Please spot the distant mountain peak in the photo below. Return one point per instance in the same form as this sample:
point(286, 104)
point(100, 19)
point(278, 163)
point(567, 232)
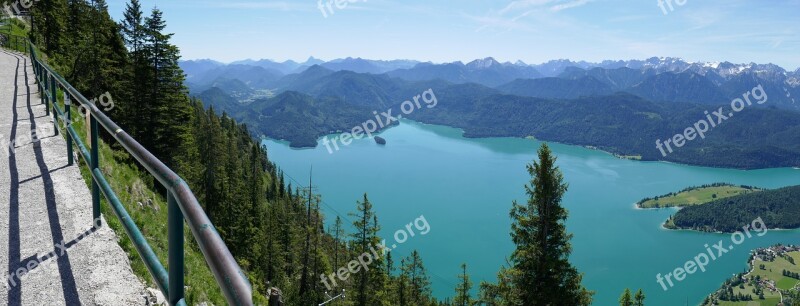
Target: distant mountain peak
point(312, 61)
point(483, 63)
point(316, 68)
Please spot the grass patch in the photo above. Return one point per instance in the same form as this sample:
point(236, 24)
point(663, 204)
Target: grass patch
point(15, 27)
point(765, 302)
point(774, 269)
point(787, 283)
point(696, 196)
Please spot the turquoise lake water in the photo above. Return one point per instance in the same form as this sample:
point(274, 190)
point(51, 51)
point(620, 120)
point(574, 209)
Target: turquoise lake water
point(465, 187)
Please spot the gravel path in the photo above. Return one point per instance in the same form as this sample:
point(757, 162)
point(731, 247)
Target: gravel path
point(49, 252)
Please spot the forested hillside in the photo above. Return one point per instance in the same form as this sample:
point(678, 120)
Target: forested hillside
point(594, 115)
point(779, 208)
point(274, 229)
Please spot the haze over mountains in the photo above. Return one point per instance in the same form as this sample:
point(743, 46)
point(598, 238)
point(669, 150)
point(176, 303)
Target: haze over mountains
point(660, 79)
point(618, 106)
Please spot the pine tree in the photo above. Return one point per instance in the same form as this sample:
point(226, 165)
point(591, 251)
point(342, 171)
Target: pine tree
point(365, 238)
point(337, 234)
point(544, 274)
point(639, 298)
point(419, 282)
point(462, 290)
point(402, 285)
point(138, 124)
point(377, 274)
point(304, 277)
point(49, 22)
point(502, 293)
point(625, 299)
point(170, 112)
point(108, 61)
point(390, 288)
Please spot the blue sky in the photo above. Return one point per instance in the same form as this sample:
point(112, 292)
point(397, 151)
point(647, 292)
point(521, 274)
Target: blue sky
point(533, 31)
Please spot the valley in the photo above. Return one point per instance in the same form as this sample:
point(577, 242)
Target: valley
point(602, 103)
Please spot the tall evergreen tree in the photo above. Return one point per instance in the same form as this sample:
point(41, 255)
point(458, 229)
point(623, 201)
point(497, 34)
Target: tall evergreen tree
point(462, 290)
point(402, 285)
point(365, 238)
point(419, 282)
point(544, 274)
point(138, 124)
point(337, 234)
point(49, 22)
point(170, 112)
point(625, 299)
point(638, 299)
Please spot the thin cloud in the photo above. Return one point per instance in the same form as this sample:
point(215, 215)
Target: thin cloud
point(269, 5)
point(524, 4)
point(551, 5)
point(573, 4)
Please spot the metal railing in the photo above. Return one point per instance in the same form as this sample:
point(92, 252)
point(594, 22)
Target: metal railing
point(181, 202)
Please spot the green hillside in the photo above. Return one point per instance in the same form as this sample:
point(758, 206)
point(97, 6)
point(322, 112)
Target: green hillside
point(696, 195)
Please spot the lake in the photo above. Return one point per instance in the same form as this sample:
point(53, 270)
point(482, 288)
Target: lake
point(464, 188)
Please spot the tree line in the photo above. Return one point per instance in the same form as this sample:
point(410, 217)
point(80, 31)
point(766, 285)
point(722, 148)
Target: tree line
point(779, 208)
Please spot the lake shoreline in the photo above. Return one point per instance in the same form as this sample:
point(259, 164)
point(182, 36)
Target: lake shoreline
point(464, 134)
point(431, 168)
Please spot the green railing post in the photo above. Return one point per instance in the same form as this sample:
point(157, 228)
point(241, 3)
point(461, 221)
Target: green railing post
point(68, 123)
point(95, 165)
point(43, 92)
point(176, 255)
point(53, 93)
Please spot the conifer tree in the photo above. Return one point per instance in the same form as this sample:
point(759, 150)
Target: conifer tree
point(639, 298)
point(137, 123)
point(365, 238)
point(544, 275)
point(49, 22)
point(625, 299)
point(419, 282)
point(462, 290)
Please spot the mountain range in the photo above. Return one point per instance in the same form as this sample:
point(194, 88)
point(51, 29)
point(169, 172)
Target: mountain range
point(618, 106)
point(661, 79)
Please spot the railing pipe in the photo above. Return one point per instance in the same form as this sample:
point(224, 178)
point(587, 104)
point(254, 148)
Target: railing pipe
point(176, 245)
point(67, 110)
point(95, 165)
point(54, 98)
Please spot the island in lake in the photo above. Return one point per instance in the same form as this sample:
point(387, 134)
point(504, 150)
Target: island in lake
point(726, 208)
point(379, 140)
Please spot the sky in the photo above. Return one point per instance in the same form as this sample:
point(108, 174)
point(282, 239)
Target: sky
point(534, 31)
